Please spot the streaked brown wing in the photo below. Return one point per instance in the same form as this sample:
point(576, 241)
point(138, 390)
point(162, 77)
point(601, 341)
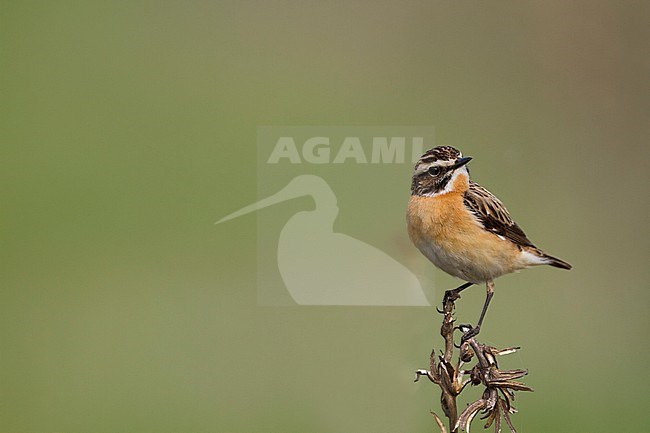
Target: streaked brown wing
point(494, 215)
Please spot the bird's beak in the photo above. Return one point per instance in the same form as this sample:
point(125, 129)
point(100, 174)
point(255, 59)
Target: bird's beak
point(285, 194)
point(462, 161)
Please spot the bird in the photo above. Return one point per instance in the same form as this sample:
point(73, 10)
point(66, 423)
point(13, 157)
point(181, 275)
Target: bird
point(464, 229)
point(320, 266)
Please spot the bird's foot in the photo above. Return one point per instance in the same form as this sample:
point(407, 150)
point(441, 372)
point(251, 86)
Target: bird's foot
point(468, 331)
point(450, 296)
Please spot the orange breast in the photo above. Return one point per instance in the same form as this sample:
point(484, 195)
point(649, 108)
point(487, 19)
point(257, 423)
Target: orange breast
point(442, 219)
point(444, 230)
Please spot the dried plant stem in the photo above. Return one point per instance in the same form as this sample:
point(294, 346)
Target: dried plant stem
point(496, 400)
point(448, 385)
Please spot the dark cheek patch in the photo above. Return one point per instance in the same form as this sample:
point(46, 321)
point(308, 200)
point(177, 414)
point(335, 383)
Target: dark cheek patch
point(442, 181)
point(426, 184)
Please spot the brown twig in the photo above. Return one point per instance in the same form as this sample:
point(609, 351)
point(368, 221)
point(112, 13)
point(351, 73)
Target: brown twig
point(500, 386)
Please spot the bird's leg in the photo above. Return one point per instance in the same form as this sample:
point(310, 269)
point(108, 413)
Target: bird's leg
point(468, 330)
point(488, 297)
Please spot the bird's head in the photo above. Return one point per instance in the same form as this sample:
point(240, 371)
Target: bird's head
point(437, 170)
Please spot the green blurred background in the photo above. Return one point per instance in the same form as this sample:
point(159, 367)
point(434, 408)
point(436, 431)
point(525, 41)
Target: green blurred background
point(128, 128)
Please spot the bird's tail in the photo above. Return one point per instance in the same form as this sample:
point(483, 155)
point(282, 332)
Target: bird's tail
point(554, 261)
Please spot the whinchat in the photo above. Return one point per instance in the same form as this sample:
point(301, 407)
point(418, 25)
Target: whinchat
point(464, 229)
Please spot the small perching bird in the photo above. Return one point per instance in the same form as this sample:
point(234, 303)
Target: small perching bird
point(465, 230)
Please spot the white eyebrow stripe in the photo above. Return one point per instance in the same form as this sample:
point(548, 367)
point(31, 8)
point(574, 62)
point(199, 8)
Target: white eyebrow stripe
point(424, 166)
point(421, 168)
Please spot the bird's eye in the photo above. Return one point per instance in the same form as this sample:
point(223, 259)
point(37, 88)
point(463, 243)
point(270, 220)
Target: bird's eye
point(434, 171)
